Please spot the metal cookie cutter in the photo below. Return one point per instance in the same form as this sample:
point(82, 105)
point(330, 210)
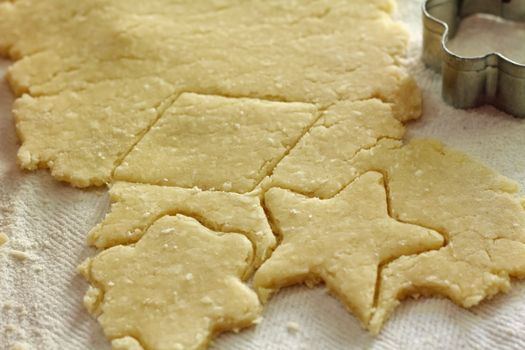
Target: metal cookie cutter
point(470, 82)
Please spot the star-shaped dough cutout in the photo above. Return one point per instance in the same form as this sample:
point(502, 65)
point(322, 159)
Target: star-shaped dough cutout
point(179, 285)
point(341, 241)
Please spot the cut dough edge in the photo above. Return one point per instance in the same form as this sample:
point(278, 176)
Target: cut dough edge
point(379, 140)
point(100, 236)
point(385, 306)
point(25, 161)
point(405, 91)
point(85, 267)
point(265, 179)
point(115, 198)
point(31, 159)
point(28, 160)
point(95, 295)
point(369, 147)
point(159, 117)
point(314, 279)
point(298, 110)
point(135, 207)
point(501, 277)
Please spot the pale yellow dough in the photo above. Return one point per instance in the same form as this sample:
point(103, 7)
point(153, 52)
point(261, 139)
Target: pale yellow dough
point(321, 163)
point(215, 142)
point(82, 136)
point(99, 73)
point(136, 206)
point(174, 289)
point(299, 102)
point(3, 238)
point(341, 241)
point(126, 343)
point(471, 205)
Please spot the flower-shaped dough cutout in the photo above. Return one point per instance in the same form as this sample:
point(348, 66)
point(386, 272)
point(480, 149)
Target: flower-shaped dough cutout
point(341, 241)
point(136, 206)
point(174, 289)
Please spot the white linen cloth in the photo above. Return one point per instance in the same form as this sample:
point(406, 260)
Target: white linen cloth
point(41, 292)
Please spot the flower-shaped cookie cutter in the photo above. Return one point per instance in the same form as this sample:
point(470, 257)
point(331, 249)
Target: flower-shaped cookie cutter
point(470, 82)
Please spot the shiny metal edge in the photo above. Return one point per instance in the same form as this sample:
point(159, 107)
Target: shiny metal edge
point(473, 81)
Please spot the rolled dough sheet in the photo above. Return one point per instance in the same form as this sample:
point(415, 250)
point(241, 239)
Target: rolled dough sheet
point(91, 99)
point(98, 74)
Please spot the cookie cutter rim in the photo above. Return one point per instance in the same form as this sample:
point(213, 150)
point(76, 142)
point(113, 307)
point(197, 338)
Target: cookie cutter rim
point(469, 82)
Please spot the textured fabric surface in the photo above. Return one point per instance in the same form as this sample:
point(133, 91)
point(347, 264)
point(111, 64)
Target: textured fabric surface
point(41, 292)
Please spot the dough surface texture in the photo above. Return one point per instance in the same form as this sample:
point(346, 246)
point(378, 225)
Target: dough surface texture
point(341, 241)
point(316, 167)
point(248, 139)
point(137, 206)
point(215, 142)
point(175, 288)
point(473, 207)
point(86, 98)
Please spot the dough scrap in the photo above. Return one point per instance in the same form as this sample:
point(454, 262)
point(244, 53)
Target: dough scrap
point(341, 241)
point(21, 346)
point(137, 206)
point(315, 167)
point(474, 207)
point(215, 142)
point(126, 343)
point(73, 54)
point(3, 238)
point(82, 136)
point(175, 288)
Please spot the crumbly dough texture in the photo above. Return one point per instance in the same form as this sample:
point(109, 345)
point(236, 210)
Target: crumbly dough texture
point(316, 167)
point(474, 208)
point(215, 142)
point(135, 207)
point(178, 285)
point(92, 94)
point(201, 109)
point(81, 136)
point(341, 241)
